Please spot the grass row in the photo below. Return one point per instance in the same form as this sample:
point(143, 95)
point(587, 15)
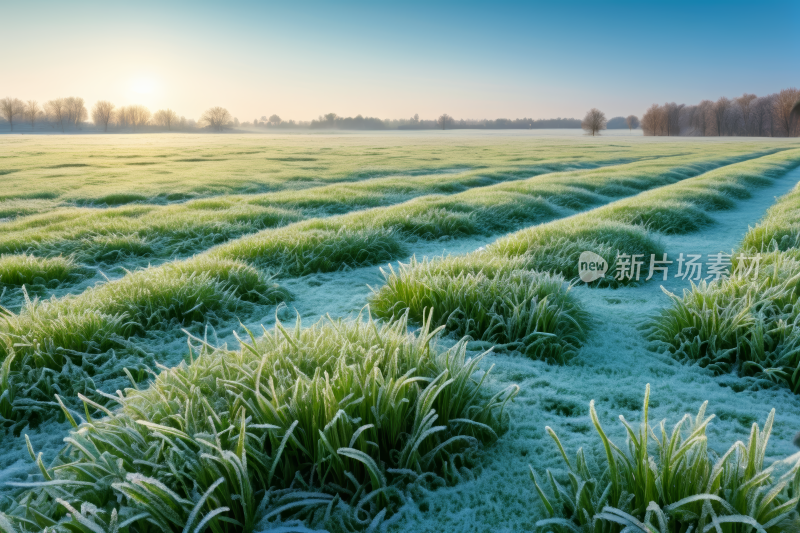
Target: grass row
point(750, 322)
point(69, 345)
point(24, 269)
point(40, 173)
point(107, 235)
point(377, 235)
point(480, 294)
point(132, 231)
point(328, 423)
point(90, 325)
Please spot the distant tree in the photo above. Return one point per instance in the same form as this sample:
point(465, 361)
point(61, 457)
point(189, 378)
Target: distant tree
point(444, 121)
point(138, 116)
point(651, 119)
point(704, 120)
point(415, 119)
point(672, 115)
point(165, 118)
point(594, 121)
point(102, 113)
point(32, 112)
point(11, 108)
point(719, 114)
point(745, 104)
point(76, 113)
point(632, 121)
point(784, 104)
point(216, 118)
point(274, 120)
point(57, 110)
point(761, 116)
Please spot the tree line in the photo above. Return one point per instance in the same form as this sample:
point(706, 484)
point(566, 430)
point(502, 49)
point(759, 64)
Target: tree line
point(444, 121)
point(774, 115)
point(70, 113)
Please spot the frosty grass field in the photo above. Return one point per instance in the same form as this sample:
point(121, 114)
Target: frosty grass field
point(428, 360)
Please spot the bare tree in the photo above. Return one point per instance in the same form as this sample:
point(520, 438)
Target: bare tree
point(761, 115)
point(672, 118)
point(745, 104)
point(138, 115)
point(165, 118)
point(32, 112)
point(445, 120)
point(632, 121)
point(122, 117)
point(719, 114)
point(75, 110)
point(594, 121)
point(274, 120)
point(102, 113)
point(782, 111)
point(57, 109)
point(10, 108)
point(651, 120)
point(218, 117)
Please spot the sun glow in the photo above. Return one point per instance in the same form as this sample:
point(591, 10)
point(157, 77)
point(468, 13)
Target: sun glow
point(144, 86)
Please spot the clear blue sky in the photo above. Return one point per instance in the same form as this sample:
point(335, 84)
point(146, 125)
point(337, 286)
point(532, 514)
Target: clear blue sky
point(391, 60)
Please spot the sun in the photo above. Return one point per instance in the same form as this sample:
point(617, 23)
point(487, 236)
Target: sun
point(144, 86)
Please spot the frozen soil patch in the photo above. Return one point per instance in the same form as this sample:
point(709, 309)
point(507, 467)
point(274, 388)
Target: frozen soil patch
point(612, 368)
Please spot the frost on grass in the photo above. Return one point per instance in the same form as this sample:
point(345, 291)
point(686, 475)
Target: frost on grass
point(74, 344)
point(24, 269)
point(331, 424)
point(668, 480)
point(497, 303)
point(749, 323)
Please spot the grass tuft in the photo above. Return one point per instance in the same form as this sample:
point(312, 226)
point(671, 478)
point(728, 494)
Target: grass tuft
point(495, 303)
point(328, 423)
point(64, 345)
point(19, 270)
point(676, 485)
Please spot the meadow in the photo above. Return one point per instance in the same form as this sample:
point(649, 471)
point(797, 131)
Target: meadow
point(386, 332)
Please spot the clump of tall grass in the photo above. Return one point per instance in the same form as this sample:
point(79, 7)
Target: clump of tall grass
point(328, 424)
point(493, 302)
point(746, 323)
point(52, 339)
point(24, 269)
point(743, 324)
point(315, 248)
point(677, 485)
point(555, 247)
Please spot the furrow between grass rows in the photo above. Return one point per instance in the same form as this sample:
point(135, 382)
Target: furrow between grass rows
point(750, 322)
point(515, 294)
point(95, 236)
